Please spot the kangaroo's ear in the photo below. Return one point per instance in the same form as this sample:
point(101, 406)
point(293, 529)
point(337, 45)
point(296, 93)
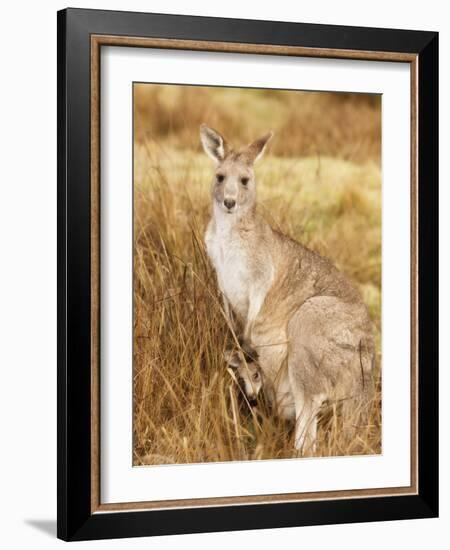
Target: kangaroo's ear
point(231, 358)
point(213, 143)
point(256, 149)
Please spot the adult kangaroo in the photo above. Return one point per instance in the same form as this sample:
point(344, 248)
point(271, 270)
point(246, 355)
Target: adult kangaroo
point(305, 319)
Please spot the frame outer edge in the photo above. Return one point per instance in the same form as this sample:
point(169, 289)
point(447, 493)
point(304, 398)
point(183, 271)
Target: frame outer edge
point(74, 384)
point(74, 519)
point(61, 279)
point(428, 163)
point(281, 32)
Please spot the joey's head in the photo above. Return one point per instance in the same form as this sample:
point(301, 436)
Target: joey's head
point(234, 186)
point(248, 373)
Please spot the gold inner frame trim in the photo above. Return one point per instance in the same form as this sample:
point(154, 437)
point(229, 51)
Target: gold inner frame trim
point(97, 41)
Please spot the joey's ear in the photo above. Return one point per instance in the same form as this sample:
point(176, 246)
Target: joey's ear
point(213, 143)
point(232, 358)
point(255, 150)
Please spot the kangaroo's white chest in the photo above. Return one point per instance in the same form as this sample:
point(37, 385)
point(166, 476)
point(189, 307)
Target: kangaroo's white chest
point(244, 272)
point(231, 261)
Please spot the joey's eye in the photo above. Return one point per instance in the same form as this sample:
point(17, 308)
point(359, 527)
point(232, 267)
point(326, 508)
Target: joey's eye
point(220, 178)
point(255, 376)
point(244, 181)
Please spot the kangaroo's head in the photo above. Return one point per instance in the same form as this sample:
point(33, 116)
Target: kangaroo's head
point(234, 186)
point(248, 372)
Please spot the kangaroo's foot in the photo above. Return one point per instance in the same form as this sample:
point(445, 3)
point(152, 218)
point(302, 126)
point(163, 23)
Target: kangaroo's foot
point(306, 431)
point(306, 410)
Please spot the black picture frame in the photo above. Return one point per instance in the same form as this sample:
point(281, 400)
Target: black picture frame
point(75, 518)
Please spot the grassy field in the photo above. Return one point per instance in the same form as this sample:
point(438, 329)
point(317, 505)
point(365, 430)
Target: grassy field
point(320, 183)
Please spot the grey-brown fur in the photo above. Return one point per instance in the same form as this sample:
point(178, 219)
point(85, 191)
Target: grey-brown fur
point(307, 321)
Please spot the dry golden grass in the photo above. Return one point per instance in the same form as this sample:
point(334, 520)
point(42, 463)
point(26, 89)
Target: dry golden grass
point(326, 193)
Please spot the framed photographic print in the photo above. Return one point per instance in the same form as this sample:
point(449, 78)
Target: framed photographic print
point(247, 256)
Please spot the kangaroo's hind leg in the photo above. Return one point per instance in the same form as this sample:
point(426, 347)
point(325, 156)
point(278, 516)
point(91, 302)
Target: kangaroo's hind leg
point(330, 355)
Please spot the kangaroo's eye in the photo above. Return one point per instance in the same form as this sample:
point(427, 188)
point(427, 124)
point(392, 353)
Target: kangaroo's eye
point(255, 376)
point(220, 178)
point(244, 181)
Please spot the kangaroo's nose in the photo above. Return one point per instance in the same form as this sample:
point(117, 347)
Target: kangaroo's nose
point(229, 203)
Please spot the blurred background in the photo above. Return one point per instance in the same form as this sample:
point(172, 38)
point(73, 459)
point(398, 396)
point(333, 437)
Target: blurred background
point(319, 182)
point(342, 125)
